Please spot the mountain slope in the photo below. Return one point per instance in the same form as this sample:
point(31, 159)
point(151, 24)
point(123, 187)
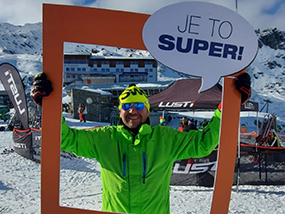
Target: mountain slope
point(22, 47)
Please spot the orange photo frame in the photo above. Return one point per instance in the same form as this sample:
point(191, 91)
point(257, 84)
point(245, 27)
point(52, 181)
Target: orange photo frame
point(119, 29)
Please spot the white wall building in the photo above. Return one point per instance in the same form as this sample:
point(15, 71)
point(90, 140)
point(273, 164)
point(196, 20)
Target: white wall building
point(88, 69)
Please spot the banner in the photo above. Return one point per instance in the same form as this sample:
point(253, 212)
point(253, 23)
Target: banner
point(249, 106)
point(13, 85)
point(257, 165)
point(22, 142)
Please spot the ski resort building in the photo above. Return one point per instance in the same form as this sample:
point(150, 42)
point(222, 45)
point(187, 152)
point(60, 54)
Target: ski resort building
point(90, 69)
point(98, 81)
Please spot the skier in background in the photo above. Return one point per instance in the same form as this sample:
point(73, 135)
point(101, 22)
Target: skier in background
point(136, 159)
point(183, 124)
point(82, 111)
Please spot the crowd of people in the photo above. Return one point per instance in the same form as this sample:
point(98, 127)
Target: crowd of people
point(185, 124)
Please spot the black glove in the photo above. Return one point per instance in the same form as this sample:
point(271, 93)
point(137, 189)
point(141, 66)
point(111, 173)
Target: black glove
point(41, 88)
point(243, 83)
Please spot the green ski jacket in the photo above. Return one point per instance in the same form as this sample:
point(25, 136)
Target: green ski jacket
point(136, 170)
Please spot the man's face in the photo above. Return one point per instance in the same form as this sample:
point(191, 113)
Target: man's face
point(133, 118)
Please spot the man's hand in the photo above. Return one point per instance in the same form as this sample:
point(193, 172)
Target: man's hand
point(41, 88)
point(243, 83)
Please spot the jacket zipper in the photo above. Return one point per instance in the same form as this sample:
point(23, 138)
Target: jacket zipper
point(144, 167)
point(124, 164)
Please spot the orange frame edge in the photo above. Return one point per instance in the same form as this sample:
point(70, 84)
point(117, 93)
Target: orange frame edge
point(119, 29)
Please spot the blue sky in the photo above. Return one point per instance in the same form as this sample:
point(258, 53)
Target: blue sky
point(259, 13)
point(272, 9)
point(84, 2)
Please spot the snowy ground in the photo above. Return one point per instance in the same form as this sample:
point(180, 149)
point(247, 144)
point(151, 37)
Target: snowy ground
point(80, 185)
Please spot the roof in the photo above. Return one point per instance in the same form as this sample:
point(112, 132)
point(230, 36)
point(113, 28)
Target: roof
point(183, 95)
point(119, 86)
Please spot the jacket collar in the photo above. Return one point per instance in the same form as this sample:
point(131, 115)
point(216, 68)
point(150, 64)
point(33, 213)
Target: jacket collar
point(144, 130)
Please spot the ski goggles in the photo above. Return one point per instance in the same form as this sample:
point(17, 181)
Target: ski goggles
point(138, 106)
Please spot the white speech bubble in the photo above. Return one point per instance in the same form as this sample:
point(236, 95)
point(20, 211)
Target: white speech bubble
point(200, 39)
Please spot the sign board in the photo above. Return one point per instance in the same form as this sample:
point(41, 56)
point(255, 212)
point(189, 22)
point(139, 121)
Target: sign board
point(200, 39)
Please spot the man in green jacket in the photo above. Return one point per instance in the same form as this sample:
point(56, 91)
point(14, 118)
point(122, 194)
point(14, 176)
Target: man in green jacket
point(137, 159)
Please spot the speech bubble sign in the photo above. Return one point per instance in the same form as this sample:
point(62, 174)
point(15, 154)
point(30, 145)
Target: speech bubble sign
point(200, 39)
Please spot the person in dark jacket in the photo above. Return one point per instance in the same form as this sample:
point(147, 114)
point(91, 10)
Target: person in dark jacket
point(184, 123)
point(191, 126)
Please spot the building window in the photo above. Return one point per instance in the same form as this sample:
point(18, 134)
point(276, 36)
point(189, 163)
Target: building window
point(112, 64)
point(130, 78)
point(67, 69)
point(134, 63)
point(83, 69)
point(72, 69)
point(84, 61)
point(78, 69)
point(141, 64)
point(127, 64)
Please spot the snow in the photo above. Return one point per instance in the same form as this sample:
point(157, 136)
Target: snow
point(99, 91)
point(80, 184)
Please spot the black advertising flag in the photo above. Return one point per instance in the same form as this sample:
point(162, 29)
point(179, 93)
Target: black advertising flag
point(13, 85)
